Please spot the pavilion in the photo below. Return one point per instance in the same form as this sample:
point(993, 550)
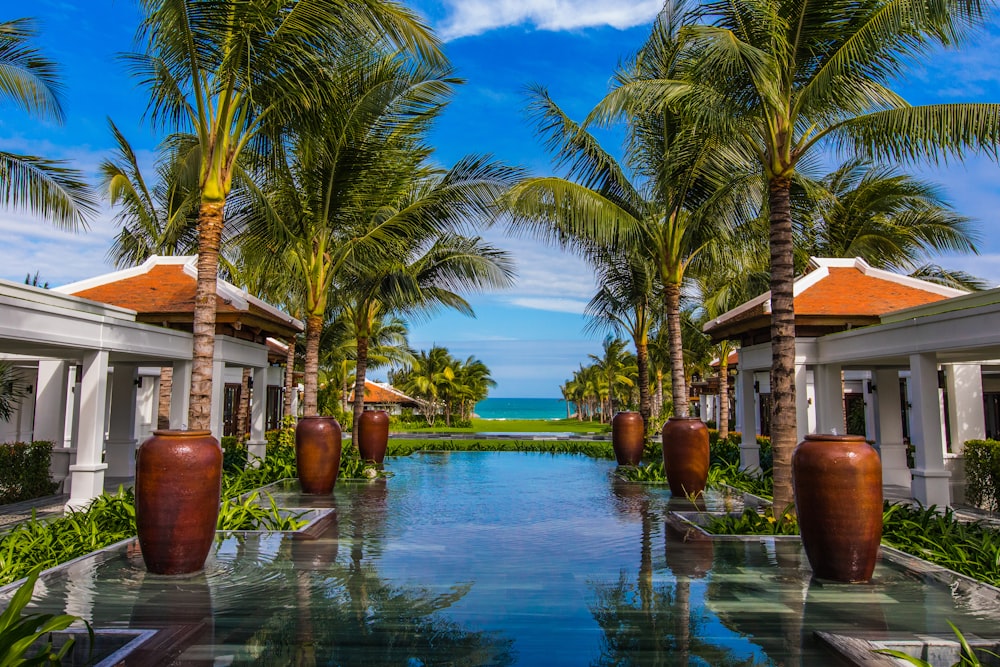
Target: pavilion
point(922, 353)
point(90, 347)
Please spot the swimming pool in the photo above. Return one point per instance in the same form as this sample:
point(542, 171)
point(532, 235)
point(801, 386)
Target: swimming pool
point(479, 558)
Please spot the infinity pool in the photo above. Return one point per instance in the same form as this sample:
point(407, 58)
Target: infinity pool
point(496, 559)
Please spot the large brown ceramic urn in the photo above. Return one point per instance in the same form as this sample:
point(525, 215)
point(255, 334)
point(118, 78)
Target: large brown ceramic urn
point(178, 480)
point(317, 454)
point(685, 455)
point(373, 435)
point(628, 434)
point(838, 497)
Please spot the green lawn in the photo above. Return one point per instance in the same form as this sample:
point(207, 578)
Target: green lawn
point(515, 425)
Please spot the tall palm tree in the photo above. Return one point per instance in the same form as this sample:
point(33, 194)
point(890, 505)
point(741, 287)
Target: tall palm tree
point(29, 81)
point(424, 378)
point(779, 80)
point(475, 382)
point(666, 216)
point(232, 75)
point(625, 304)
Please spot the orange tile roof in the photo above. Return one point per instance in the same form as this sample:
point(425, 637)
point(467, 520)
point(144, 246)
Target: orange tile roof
point(851, 292)
point(377, 393)
point(835, 292)
point(163, 289)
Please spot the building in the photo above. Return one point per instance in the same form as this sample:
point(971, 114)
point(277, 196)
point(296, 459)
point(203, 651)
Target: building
point(918, 355)
point(93, 353)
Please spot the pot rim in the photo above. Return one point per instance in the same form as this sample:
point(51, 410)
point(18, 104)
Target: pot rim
point(689, 417)
point(830, 437)
point(176, 432)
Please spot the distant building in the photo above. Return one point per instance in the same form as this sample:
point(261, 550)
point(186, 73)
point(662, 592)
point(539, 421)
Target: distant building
point(383, 396)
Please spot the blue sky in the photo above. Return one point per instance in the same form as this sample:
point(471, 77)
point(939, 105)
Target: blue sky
point(531, 336)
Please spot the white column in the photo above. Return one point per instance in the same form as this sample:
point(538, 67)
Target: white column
point(704, 409)
point(50, 402)
point(257, 444)
point(930, 479)
point(801, 401)
point(829, 399)
point(88, 471)
point(218, 395)
point(121, 441)
point(889, 429)
point(745, 397)
point(965, 395)
point(180, 395)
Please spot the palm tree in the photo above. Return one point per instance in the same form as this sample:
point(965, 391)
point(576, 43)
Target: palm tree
point(44, 187)
point(624, 305)
point(424, 378)
point(155, 219)
point(613, 366)
point(233, 74)
point(427, 273)
point(892, 220)
point(666, 217)
point(475, 383)
point(779, 79)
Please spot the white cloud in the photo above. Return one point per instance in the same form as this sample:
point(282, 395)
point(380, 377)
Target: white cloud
point(549, 303)
point(474, 17)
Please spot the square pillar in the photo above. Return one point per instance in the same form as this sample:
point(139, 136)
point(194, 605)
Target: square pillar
point(801, 401)
point(121, 441)
point(889, 429)
point(50, 402)
point(257, 444)
point(88, 471)
point(180, 394)
point(930, 479)
point(829, 385)
point(965, 398)
point(747, 399)
point(218, 396)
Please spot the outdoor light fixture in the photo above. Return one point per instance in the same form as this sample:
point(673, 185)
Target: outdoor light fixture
point(756, 386)
point(138, 381)
point(871, 388)
point(250, 382)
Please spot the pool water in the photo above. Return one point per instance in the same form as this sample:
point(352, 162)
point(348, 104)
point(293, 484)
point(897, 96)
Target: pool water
point(478, 558)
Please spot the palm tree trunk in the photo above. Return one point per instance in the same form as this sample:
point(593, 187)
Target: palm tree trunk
point(359, 386)
point(345, 392)
point(724, 395)
point(659, 391)
point(314, 327)
point(783, 427)
point(163, 404)
point(243, 411)
point(289, 379)
point(642, 364)
point(209, 238)
point(678, 387)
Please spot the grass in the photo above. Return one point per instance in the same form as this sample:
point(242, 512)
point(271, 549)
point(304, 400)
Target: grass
point(405, 447)
point(513, 425)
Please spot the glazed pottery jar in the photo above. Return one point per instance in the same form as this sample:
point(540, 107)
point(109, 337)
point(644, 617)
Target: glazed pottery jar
point(373, 435)
point(628, 434)
point(317, 454)
point(685, 455)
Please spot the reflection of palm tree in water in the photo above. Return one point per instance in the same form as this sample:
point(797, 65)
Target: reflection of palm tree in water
point(650, 625)
point(346, 613)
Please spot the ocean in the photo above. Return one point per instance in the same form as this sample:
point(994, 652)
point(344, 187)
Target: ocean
point(522, 408)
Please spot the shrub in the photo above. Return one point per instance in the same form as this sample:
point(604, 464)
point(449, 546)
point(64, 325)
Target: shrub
point(982, 473)
point(234, 453)
point(24, 471)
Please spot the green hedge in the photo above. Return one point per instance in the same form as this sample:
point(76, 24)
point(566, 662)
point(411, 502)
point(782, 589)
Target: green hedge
point(982, 473)
point(24, 471)
point(725, 452)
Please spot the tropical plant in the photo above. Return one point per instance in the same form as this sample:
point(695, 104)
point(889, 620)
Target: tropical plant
point(616, 368)
point(780, 79)
point(967, 656)
point(13, 389)
point(46, 188)
point(232, 75)
point(21, 633)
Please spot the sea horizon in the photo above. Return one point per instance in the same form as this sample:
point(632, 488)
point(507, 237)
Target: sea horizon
point(499, 409)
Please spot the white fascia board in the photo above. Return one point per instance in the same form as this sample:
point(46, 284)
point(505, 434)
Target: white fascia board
point(952, 332)
point(915, 283)
point(241, 353)
point(15, 295)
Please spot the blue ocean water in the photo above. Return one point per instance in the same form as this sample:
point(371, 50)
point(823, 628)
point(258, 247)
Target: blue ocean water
point(522, 408)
